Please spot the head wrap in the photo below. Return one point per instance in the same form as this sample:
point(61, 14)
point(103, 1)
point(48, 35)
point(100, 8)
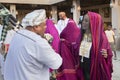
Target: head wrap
point(34, 18)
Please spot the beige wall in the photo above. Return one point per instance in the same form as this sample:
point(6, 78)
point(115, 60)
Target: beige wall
point(43, 2)
point(116, 21)
point(102, 10)
point(21, 14)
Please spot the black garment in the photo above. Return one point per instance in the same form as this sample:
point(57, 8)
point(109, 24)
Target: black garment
point(85, 65)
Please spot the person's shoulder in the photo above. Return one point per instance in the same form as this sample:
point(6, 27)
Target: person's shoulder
point(106, 30)
point(112, 30)
point(40, 40)
point(42, 43)
point(30, 35)
point(71, 20)
point(11, 31)
point(59, 20)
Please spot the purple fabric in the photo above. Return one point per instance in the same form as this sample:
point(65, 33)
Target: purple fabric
point(68, 38)
point(100, 68)
point(53, 31)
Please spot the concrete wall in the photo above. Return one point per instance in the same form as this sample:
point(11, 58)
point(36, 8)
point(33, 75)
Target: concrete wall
point(116, 21)
point(103, 10)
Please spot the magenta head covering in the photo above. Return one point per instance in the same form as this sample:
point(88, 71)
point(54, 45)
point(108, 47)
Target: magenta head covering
point(101, 68)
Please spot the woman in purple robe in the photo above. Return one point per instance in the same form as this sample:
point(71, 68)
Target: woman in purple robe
point(94, 54)
point(68, 38)
point(51, 29)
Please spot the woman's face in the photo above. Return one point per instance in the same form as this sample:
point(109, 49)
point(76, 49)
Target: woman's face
point(86, 22)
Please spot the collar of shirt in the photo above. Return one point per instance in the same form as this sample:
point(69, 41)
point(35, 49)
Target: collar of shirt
point(29, 34)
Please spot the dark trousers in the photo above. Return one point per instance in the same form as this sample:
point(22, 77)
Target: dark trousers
point(85, 65)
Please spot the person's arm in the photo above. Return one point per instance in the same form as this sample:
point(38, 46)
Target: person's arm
point(48, 56)
point(114, 37)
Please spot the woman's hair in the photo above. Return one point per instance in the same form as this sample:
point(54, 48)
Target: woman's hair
point(110, 25)
point(82, 30)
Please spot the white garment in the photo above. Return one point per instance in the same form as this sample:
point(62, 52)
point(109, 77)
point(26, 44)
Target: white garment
point(1, 64)
point(9, 36)
point(62, 24)
point(110, 34)
point(29, 57)
point(56, 26)
point(85, 48)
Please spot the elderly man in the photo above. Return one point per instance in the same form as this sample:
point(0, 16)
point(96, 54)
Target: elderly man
point(62, 23)
point(30, 56)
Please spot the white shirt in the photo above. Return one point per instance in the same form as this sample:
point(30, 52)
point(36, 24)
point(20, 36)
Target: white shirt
point(85, 46)
point(110, 34)
point(1, 64)
point(62, 24)
point(30, 57)
point(9, 36)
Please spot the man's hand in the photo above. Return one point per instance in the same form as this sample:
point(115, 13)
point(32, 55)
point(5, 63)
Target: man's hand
point(48, 37)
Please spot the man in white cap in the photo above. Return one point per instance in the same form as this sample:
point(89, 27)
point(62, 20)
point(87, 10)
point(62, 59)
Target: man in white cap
point(30, 56)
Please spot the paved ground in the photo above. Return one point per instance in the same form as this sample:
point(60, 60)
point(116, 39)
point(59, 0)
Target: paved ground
point(116, 67)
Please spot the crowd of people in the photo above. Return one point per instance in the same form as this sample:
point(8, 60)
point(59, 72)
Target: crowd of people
point(42, 50)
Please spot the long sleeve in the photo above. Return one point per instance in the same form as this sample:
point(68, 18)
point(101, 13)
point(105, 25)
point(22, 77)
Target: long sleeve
point(44, 54)
point(49, 57)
